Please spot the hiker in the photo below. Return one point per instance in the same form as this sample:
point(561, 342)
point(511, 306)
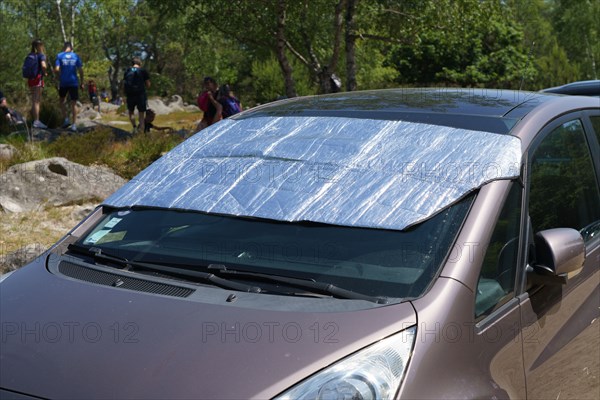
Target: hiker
point(231, 105)
point(211, 108)
point(68, 65)
point(13, 117)
point(135, 82)
point(148, 122)
point(34, 69)
point(4, 108)
point(93, 94)
point(104, 95)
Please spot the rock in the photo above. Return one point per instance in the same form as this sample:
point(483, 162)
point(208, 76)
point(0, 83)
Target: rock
point(108, 107)
point(191, 108)
point(21, 257)
point(175, 103)
point(80, 212)
point(54, 182)
point(7, 151)
point(88, 113)
point(158, 106)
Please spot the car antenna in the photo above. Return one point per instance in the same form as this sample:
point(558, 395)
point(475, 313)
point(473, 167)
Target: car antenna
point(527, 65)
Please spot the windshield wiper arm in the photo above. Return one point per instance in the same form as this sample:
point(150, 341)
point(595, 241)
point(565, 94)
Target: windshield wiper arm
point(311, 284)
point(206, 276)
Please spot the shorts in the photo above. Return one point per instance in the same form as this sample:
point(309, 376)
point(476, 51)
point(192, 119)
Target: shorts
point(138, 100)
point(94, 99)
point(36, 82)
point(73, 92)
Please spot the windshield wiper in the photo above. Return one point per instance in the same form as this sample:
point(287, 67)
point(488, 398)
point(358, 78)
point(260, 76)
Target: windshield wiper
point(97, 253)
point(310, 284)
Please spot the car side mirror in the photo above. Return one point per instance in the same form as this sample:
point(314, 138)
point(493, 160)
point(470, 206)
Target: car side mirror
point(560, 254)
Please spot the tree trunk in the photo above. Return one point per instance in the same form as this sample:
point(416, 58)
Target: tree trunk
point(286, 68)
point(62, 23)
point(72, 38)
point(113, 72)
point(350, 46)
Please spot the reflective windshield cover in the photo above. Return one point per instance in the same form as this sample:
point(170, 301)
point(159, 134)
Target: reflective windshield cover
point(374, 262)
point(333, 170)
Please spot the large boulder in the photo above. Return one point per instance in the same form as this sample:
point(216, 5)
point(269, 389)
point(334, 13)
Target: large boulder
point(175, 103)
point(54, 182)
point(88, 113)
point(158, 106)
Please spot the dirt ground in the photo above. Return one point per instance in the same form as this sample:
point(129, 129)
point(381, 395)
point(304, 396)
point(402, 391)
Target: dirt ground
point(42, 227)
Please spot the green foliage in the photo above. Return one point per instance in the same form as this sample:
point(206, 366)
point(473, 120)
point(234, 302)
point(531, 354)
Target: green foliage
point(266, 81)
point(85, 148)
point(372, 72)
point(513, 43)
point(267, 84)
point(50, 113)
point(129, 158)
point(98, 71)
point(126, 158)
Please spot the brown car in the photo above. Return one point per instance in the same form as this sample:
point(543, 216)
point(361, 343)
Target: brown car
point(406, 243)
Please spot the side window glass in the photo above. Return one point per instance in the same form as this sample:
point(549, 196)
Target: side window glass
point(564, 192)
point(596, 124)
point(497, 279)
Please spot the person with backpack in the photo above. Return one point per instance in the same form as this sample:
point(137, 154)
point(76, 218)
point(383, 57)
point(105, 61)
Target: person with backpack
point(93, 94)
point(34, 70)
point(207, 102)
point(231, 105)
point(68, 65)
point(135, 82)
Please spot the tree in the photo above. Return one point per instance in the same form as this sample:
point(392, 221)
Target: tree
point(465, 43)
point(576, 25)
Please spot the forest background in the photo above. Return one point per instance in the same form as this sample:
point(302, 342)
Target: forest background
point(268, 49)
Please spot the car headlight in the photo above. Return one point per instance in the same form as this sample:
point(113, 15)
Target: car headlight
point(374, 372)
point(6, 275)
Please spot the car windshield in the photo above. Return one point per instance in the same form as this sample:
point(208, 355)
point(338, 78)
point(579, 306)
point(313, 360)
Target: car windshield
point(374, 262)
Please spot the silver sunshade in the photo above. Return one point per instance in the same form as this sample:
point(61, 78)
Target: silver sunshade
point(341, 171)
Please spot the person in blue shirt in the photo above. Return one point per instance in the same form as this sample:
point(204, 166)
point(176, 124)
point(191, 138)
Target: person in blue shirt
point(68, 65)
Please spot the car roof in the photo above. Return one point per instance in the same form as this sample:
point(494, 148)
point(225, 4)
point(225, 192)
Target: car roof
point(491, 110)
point(580, 88)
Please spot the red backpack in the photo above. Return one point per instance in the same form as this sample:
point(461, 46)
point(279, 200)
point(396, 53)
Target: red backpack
point(202, 101)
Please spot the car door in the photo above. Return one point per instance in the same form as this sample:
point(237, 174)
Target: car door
point(561, 328)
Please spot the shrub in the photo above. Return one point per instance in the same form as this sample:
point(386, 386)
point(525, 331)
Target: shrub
point(85, 148)
point(128, 158)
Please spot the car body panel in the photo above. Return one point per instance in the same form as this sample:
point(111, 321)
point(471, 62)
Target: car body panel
point(80, 340)
point(456, 358)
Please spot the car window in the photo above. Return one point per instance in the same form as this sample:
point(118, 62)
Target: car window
point(596, 124)
point(377, 262)
point(564, 191)
point(497, 279)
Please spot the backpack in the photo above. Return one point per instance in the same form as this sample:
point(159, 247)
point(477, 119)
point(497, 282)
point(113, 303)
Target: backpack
point(202, 101)
point(230, 107)
point(31, 66)
point(133, 81)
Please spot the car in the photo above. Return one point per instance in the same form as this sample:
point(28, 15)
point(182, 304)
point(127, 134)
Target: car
point(579, 88)
point(398, 243)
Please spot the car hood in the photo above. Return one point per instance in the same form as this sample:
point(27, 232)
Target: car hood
point(64, 338)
